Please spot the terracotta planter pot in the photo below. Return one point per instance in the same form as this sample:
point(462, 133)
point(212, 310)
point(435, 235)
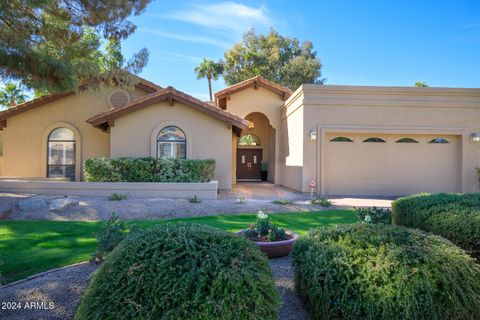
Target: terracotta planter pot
point(276, 249)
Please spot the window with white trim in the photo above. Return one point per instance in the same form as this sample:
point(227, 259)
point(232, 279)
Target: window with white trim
point(61, 154)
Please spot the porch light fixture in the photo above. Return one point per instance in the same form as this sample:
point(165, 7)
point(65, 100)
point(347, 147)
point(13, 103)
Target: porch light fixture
point(313, 135)
point(251, 125)
point(475, 137)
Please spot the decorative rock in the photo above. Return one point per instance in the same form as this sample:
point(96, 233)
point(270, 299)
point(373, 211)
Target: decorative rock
point(58, 205)
point(32, 204)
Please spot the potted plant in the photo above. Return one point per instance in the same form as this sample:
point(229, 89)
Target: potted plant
point(273, 241)
point(264, 171)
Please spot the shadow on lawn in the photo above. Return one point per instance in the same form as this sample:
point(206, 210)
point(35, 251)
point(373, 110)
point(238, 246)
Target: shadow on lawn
point(29, 247)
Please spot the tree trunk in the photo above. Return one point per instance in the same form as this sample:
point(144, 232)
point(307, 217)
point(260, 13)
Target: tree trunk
point(209, 77)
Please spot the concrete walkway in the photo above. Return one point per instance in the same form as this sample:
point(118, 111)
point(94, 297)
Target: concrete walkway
point(264, 191)
point(269, 191)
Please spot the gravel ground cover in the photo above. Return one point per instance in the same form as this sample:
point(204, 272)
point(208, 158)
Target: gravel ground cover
point(98, 208)
point(54, 295)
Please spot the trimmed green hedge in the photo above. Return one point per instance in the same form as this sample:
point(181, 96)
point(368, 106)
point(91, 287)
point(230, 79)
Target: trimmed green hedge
point(378, 271)
point(453, 216)
point(182, 271)
point(148, 170)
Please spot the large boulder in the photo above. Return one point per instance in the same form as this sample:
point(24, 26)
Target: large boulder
point(58, 205)
point(32, 204)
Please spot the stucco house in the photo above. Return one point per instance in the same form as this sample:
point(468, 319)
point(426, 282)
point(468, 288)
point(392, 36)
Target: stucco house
point(352, 140)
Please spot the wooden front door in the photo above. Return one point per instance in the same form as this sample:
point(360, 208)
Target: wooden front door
point(249, 164)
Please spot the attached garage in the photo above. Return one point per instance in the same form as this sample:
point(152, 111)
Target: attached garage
point(391, 164)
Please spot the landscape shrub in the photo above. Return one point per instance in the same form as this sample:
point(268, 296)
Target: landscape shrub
point(324, 202)
point(378, 271)
point(283, 202)
point(117, 197)
point(374, 215)
point(194, 199)
point(453, 216)
point(182, 271)
point(110, 235)
point(148, 170)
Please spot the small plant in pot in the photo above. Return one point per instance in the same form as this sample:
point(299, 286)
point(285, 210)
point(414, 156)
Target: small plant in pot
point(273, 241)
point(264, 171)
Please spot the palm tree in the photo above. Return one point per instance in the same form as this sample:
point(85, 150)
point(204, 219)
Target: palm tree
point(11, 95)
point(421, 84)
point(211, 70)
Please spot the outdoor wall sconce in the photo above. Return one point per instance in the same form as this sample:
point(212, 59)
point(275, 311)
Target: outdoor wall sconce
point(476, 137)
point(251, 125)
point(313, 135)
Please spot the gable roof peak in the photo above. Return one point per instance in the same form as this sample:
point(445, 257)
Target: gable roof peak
point(255, 82)
point(106, 119)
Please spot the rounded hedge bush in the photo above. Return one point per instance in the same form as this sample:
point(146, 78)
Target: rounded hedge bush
point(453, 216)
point(377, 271)
point(182, 271)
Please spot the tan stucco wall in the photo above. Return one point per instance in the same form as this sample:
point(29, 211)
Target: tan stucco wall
point(268, 103)
point(291, 147)
point(1, 153)
point(387, 110)
point(26, 134)
point(234, 158)
point(134, 135)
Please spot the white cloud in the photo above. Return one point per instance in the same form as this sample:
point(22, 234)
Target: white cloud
point(179, 57)
point(226, 16)
point(188, 37)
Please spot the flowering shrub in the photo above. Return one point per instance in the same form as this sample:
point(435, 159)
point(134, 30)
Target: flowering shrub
point(374, 215)
point(264, 230)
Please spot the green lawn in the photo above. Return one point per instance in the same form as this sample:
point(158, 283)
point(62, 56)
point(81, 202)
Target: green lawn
point(29, 247)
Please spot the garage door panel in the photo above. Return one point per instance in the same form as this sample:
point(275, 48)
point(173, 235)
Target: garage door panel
point(391, 167)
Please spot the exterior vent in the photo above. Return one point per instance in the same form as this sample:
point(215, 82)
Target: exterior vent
point(119, 98)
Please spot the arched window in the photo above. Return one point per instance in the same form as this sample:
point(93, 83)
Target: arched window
point(406, 140)
point(439, 140)
point(341, 139)
point(171, 143)
point(249, 140)
point(61, 154)
point(374, 139)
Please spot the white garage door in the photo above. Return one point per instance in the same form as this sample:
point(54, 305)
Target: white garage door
point(379, 164)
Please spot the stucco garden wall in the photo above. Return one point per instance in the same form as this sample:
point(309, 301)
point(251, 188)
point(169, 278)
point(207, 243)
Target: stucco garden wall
point(135, 134)
point(390, 110)
point(207, 190)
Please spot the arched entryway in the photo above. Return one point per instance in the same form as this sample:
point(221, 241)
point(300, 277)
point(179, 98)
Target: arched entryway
point(256, 150)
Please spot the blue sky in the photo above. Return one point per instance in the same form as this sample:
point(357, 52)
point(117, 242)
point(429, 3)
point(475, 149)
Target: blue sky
point(358, 42)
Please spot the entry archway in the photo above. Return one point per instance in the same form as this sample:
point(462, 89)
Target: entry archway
point(255, 150)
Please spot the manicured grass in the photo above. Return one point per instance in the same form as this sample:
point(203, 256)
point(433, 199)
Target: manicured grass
point(29, 247)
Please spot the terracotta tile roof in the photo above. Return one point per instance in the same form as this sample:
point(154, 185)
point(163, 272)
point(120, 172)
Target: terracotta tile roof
point(4, 115)
point(255, 82)
point(107, 118)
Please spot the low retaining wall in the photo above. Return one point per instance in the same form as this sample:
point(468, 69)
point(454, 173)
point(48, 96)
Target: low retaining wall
point(178, 190)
